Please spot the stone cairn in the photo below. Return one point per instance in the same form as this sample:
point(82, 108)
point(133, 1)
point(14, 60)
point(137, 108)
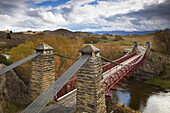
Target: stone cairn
point(42, 71)
point(90, 83)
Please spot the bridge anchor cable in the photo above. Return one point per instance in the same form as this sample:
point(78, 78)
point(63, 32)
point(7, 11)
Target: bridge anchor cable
point(7, 68)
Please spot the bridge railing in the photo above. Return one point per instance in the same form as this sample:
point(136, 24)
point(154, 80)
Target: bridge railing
point(108, 66)
point(114, 78)
point(69, 86)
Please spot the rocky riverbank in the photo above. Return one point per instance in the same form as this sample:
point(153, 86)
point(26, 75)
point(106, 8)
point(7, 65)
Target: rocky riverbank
point(155, 70)
point(113, 107)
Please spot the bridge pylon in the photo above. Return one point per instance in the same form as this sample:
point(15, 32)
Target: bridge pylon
point(90, 83)
point(135, 49)
point(42, 71)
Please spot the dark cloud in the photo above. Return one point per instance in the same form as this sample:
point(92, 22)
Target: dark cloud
point(159, 11)
point(65, 11)
point(7, 8)
point(157, 14)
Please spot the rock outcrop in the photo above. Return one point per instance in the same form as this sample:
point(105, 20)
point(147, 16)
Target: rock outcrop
point(12, 89)
point(152, 66)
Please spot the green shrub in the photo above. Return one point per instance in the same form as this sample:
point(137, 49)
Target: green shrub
point(8, 36)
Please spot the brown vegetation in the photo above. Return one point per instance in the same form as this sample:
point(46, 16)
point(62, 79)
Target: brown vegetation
point(67, 46)
point(110, 50)
point(61, 45)
point(161, 41)
point(118, 38)
point(91, 40)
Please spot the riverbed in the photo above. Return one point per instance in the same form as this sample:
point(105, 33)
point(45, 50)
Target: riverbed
point(142, 97)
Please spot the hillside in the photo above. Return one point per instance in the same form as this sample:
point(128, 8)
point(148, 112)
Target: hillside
point(65, 32)
point(85, 37)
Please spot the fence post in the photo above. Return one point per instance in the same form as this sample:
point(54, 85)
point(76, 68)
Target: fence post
point(90, 83)
point(42, 71)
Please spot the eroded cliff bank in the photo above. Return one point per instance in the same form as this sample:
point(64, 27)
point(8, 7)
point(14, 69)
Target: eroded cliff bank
point(12, 89)
point(152, 66)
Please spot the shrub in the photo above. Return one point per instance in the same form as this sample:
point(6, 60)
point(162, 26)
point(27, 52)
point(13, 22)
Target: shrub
point(8, 36)
point(91, 40)
point(118, 37)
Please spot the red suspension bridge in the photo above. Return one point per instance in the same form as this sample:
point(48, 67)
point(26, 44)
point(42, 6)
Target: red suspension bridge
point(113, 73)
point(116, 72)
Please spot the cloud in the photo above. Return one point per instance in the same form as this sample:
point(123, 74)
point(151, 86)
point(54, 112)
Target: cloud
point(46, 16)
point(152, 17)
point(87, 15)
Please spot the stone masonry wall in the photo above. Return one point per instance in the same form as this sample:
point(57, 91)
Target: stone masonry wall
point(42, 74)
point(90, 87)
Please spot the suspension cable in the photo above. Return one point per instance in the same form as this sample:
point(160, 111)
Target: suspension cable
point(64, 56)
point(110, 61)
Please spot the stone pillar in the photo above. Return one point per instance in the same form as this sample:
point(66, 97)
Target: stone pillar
point(135, 49)
point(148, 50)
point(90, 83)
point(42, 71)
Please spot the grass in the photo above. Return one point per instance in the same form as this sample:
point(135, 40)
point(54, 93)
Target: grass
point(140, 39)
point(159, 82)
point(126, 42)
point(166, 73)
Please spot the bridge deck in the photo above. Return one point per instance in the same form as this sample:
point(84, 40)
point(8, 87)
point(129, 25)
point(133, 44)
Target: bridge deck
point(57, 109)
point(114, 69)
point(68, 100)
point(65, 104)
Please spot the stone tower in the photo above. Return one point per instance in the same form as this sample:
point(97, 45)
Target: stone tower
point(42, 71)
point(135, 49)
point(90, 83)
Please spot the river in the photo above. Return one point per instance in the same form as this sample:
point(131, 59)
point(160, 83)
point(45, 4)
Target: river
point(142, 97)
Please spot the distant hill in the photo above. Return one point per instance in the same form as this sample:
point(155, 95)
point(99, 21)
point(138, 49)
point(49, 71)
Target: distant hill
point(65, 32)
point(17, 35)
point(124, 32)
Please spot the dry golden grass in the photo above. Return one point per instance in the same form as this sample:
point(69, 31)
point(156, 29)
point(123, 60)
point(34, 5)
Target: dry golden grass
point(130, 39)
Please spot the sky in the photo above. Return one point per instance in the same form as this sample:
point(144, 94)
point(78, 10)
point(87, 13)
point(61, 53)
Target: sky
point(84, 15)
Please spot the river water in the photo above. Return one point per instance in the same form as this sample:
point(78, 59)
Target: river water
point(142, 97)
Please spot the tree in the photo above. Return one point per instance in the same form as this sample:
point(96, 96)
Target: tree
point(62, 45)
point(161, 41)
point(8, 36)
point(118, 37)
